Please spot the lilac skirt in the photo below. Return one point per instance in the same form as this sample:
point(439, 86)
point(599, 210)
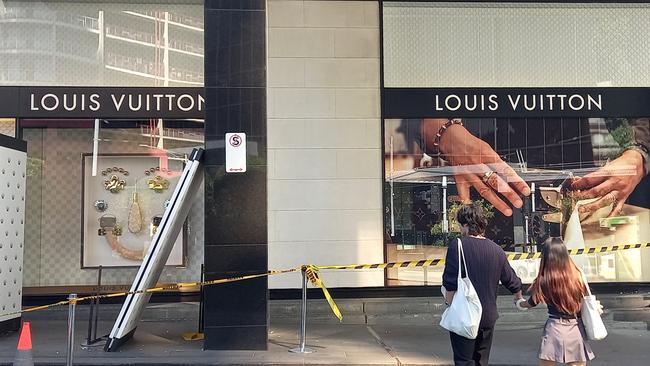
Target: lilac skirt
point(564, 341)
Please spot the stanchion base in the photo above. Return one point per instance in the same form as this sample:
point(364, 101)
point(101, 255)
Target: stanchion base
point(95, 342)
point(299, 350)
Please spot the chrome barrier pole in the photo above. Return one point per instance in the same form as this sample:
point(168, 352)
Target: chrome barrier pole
point(71, 313)
point(303, 316)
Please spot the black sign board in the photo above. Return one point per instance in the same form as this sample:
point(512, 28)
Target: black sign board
point(516, 102)
point(101, 102)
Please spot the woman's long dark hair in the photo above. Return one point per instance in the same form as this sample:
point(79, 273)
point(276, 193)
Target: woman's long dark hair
point(559, 281)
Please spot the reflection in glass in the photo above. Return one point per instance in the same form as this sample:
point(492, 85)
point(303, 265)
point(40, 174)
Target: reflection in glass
point(108, 44)
point(583, 179)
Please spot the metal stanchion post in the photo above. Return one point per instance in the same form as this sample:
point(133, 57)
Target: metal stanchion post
point(303, 316)
point(91, 339)
point(99, 287)
point(201, 299)
point(71, 313)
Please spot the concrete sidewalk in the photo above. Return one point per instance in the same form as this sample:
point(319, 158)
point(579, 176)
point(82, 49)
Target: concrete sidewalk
point(160, 343)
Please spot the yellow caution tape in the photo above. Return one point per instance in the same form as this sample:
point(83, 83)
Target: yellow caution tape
point(170, 287)
point(511, 257)
point(440, 262)
point(313, 275)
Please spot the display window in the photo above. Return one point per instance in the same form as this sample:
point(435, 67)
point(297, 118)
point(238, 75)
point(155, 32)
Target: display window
point(535, 112)
point(96, 191)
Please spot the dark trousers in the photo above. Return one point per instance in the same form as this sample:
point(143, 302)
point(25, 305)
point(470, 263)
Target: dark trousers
point(472, 352)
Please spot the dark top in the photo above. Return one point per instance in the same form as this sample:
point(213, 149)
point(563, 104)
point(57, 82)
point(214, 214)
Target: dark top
point(553, 311)
point(487, 264)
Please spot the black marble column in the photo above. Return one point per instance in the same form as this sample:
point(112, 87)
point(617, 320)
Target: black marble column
point(236, 316)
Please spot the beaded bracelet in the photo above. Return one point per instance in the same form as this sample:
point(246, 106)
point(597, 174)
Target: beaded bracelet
point(443, 128)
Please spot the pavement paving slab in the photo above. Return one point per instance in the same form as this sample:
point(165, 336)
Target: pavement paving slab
point(425, 344)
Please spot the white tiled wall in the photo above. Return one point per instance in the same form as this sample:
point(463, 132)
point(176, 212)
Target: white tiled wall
point(324, 139)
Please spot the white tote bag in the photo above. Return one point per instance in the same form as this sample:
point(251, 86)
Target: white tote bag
point(594, 326)
point(464, 314)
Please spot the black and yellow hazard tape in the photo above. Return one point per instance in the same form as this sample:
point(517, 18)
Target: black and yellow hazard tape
point(313, 274)
point(165, 288)
point(511, 257)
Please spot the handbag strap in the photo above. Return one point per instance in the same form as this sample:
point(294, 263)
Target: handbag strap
point(461, 253)
point(584, 281)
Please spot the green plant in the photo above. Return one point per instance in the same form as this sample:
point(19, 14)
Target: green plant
point(441, 238)
point(622, 133)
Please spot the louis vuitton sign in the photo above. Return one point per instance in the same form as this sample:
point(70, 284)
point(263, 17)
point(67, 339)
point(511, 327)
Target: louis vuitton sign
point(516, 102)
point(89, 102)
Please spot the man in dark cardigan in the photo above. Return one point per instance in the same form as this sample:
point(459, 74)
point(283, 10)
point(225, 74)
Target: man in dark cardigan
point(487, 265)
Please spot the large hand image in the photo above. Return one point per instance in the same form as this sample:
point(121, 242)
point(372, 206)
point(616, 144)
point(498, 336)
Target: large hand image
point(476, 165)
point(612, 184)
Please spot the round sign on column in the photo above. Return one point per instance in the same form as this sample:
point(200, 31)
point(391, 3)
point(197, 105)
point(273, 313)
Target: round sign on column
point(235, 152)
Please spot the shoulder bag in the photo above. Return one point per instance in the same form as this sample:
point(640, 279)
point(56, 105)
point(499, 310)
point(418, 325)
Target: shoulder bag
point(464, 314)
point(594, 326)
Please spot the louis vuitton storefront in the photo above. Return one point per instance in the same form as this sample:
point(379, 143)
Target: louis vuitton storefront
point(367, 124)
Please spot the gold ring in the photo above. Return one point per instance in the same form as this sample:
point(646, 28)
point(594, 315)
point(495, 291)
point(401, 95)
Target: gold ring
point(487, 175)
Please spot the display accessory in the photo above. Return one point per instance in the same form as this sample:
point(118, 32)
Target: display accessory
point(151, 170)
point(463, 316)
point(115, 169)
point(441, 131)
point(121, 250)
point(157, 170)
point(117, 230)
point(155, 222)
point(135, 215)
point(101, 205)
point(158, 184)
point(590, 313)
point(114, 184)
point(107, 222)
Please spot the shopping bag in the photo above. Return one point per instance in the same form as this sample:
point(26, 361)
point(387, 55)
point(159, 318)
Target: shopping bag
point(464, 314)
point(594, 326)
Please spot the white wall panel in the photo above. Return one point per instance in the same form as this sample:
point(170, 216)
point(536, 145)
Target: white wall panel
point(324, 139)
point(12, 229)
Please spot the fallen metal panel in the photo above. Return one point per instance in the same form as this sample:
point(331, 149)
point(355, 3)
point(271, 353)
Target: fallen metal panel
point(155, 259)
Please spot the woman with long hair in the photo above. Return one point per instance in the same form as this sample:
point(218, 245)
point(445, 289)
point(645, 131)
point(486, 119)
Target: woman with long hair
point(560, 286)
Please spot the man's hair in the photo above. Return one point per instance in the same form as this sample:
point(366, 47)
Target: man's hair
point(472, 216)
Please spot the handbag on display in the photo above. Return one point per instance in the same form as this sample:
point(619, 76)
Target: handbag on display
point(590, 312)
point(464, 314)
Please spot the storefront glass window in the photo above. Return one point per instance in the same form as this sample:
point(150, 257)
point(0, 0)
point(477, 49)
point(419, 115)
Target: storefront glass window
point(77, 221)
point(101, 44)
point(566, 161)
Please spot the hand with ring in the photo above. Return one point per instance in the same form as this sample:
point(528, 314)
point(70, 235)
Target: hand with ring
point(612, 184)
point(478, 166)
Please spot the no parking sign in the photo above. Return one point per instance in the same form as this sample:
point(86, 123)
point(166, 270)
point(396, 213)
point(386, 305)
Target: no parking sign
point(236, 152)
